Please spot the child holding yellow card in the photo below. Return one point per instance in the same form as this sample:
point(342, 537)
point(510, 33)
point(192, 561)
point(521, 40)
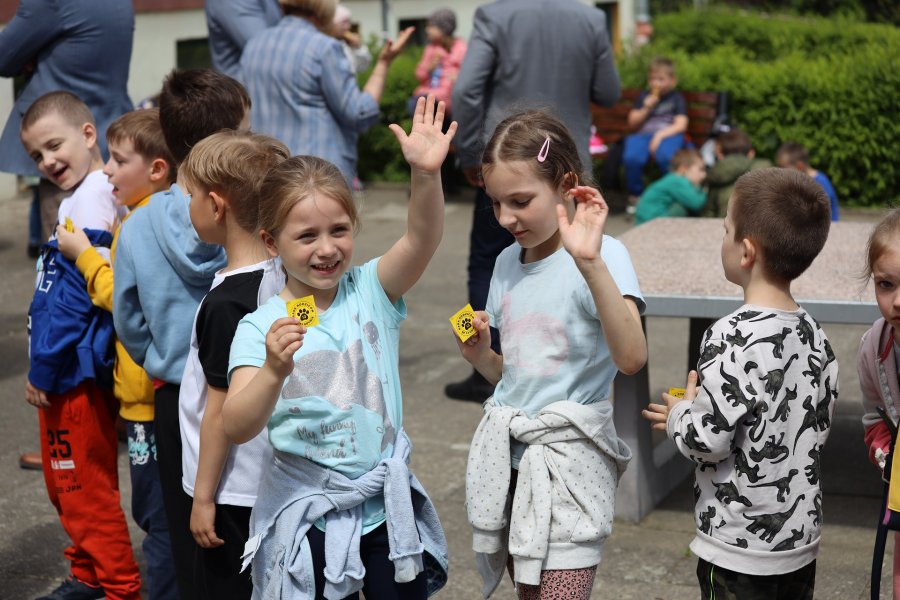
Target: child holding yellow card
point(222, 176)
point(566, 301)
point(330, 393)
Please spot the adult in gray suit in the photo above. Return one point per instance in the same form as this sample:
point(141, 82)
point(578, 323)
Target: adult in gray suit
point(522, 54)
point(80, 46)
point(231, 24)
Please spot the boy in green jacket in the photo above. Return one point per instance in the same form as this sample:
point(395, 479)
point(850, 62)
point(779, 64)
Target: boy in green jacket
point(735, 156)
point(678, 194)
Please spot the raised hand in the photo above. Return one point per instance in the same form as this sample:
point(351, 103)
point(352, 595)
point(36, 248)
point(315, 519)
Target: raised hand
point(426, 146)
point(284, 338)
point(582, 236)
point(392, 48)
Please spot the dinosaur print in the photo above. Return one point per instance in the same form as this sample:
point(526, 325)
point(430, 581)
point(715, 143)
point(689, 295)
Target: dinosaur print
point(692, 439)
point(732, 391)
point(706, 519)
point(759, 411)
point(823, 416)
point(769, 525)
point(815, 369)
point(805, 333)
point(743, 316)
point(777, 341)
point(737, 338)
point(816, 513)
point(814, 469)
point(742, 466)
point(771, 450)
point(749, 366)
point(810, 420)
point(710, 351)
point(783, 485)
point(784, 407)
point(775, 378)
point(727, 492)
point(739, 542)
point(789, 543)
point(717, 418)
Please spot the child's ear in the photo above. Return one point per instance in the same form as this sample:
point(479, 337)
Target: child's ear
point(218, 205)
point(749, 253)
point(569, 181)
point(269, 241)
point(89, 131)
point(159, 170)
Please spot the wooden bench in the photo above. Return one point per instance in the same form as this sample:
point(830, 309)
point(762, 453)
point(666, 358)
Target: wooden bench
point(612, 122)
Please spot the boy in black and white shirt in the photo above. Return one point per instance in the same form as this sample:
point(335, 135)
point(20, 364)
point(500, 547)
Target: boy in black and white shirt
point(756, 417)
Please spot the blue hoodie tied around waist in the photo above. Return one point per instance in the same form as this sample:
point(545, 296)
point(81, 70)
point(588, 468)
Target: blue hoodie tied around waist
point(295, 492)
point(70, 339)
point(161, 273)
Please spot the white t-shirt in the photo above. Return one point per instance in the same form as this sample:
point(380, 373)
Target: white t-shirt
point(92, 205)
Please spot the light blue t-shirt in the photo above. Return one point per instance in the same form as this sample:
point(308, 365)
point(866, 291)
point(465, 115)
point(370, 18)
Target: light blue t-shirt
point(552, 341)
point(341, 406)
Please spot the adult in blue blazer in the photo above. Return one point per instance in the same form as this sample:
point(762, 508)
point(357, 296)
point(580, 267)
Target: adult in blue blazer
point(80, 46)
point(231, 24)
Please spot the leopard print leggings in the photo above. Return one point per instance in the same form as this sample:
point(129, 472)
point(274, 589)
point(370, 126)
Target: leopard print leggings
point(564, 584)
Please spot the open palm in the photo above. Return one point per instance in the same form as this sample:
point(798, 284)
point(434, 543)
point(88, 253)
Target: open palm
point(582, 236)
point(426, 146)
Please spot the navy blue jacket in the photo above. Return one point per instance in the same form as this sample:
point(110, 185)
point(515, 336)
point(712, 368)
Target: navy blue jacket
point(70, 339)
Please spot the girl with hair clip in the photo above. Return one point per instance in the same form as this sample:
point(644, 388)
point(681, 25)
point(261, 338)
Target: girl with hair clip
point(878, 360)
point(338, 511)
point(566, 301)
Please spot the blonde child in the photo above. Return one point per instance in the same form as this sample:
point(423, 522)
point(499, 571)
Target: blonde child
point(330, 393)
point(876, 362)
point(222, 176)
point(139, 165)
point(566, 301)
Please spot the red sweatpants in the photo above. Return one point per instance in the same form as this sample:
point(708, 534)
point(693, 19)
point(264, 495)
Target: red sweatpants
point(79, 452)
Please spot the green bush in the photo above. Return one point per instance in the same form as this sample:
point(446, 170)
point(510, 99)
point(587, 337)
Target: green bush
point(830, 85)
point(380, 158)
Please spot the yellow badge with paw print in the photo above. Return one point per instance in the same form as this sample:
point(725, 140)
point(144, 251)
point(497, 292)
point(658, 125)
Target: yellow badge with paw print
point(677, 392)
point(464, 322)
point(304, 309)
point(70, 226)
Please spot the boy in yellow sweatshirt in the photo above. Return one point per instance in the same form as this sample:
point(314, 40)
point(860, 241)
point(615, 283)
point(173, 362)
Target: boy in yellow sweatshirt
point(140, 165)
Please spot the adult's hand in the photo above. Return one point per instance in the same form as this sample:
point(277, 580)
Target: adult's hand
point(392, 48)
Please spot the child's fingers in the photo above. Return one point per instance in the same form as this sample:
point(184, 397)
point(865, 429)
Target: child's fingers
point(439, 113)
point(398, 132)
point(451, 130)
point(690, 390)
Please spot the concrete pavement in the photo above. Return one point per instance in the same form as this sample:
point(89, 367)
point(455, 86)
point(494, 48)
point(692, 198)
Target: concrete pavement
point(646, 560)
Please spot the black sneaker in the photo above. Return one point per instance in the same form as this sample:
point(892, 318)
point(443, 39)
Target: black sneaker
point(72, 589)
point(473, 388)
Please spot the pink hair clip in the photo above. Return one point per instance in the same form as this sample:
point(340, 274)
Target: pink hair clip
point(545, 149)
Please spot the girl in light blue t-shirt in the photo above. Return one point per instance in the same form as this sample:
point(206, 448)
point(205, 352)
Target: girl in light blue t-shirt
point(330, 391)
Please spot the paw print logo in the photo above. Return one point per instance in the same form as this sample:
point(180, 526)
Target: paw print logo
point(303, 314)
point(465, 323)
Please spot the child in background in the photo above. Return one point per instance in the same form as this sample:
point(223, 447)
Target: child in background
point(330, 393)
point(139, 165)
point(791, 155)
point(678, 194)
point(877, 361)
point(566, 301)
point(734, 157)
point(77, 414)
point(162, 271)
point(222, 176)
point(756, 417)
point(441, 59)
point(659, 119)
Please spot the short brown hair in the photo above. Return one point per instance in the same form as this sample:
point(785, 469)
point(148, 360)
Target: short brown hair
point(735, 141)
point(234, 164)
point(196, 103)
point(883, 235)
point(322, 10)
point(66, 104)
point(522, 136)
point(142, 129)
point(684, 158)
point(792, 153)
point(786, 213)
point(661, 63)
point(296, 178)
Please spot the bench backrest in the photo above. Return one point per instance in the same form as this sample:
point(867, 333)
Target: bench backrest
point(612, 122)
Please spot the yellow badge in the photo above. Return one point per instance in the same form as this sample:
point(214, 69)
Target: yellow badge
point(463, 322)
point(70, 226)
point(677, 392)
point(304, 309)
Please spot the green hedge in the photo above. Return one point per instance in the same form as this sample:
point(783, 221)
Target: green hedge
point(380, 158)
point(830, 85)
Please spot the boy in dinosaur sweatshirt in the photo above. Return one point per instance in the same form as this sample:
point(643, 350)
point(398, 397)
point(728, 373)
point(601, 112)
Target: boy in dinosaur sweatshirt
point(756, 417)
